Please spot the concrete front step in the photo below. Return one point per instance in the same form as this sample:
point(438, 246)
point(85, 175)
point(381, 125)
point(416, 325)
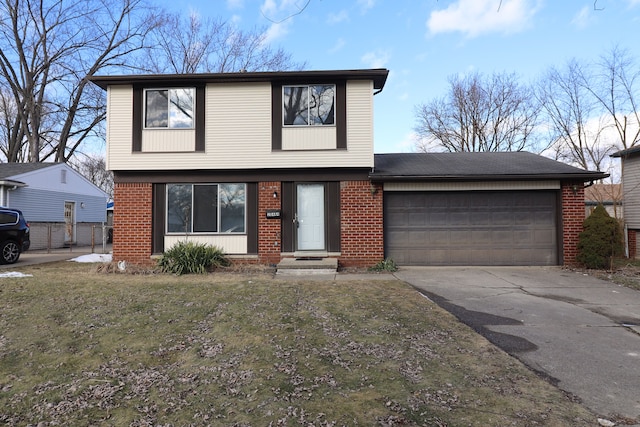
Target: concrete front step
point(307, 266)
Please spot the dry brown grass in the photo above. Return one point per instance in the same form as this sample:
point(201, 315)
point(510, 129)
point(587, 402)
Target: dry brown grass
point(79, 347)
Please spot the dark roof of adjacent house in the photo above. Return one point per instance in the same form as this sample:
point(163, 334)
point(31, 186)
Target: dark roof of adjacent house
point(627, 152)
point(8, 170)
point(603, 193)
point(378, 75)
point(466, 166)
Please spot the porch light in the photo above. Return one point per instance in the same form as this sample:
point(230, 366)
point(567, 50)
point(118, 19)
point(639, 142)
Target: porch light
point(275, 194)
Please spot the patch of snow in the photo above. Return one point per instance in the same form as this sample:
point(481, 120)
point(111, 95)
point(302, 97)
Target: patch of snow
point(15, 274)
point(93, 258)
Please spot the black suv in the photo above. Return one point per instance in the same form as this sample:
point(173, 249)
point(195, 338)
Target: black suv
point(14, 235)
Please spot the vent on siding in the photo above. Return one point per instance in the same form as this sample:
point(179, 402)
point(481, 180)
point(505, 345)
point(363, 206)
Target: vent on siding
point(63, 176)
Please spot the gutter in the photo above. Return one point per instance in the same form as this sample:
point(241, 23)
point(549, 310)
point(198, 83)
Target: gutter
point(399, 178)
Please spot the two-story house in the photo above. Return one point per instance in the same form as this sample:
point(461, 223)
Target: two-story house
point(271, 165)
point(261, 164)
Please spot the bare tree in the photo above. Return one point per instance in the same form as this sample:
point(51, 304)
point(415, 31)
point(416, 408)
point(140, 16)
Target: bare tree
point(479, 114)
point(193, 44)
point(616, 86)
point(48, 48)
point(573, 116)
point(94, 168)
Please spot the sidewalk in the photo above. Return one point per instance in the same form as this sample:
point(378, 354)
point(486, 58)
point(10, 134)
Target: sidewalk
point(41, 256)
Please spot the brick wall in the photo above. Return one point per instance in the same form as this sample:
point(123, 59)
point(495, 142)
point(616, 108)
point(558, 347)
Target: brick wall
point(573, 215)
point(632, 242)
point(269, 230)
point(361, 223)
point(132, 222)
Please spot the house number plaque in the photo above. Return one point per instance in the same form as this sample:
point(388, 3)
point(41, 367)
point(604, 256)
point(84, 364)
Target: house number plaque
point(273, 214)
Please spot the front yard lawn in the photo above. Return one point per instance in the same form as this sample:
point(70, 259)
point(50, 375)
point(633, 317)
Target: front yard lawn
point(79, 347)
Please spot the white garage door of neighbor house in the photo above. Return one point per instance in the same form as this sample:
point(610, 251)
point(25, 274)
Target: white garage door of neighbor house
point(471, 227)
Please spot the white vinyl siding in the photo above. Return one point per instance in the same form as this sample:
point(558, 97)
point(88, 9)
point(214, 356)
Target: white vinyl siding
point(360, 120)
point(171, 140)
point(119, 125)
point(238, 133)
point(309, 138)
point(631, 195)
point(233, 245)
point(238, 125)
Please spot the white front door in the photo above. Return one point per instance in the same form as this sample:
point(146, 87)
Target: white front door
point(310, 217)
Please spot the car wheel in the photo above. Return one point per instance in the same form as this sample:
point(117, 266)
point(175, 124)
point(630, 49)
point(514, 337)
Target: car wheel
point(10, 252)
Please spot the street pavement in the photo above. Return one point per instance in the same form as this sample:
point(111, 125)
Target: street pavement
point(580, 332)
point(42, 256)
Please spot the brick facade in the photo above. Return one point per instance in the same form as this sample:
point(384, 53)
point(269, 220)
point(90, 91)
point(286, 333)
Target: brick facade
point(573, 215)
point(632, 242)
point(269, 230)
point(361, 226)
point(132, 222)
point(362, 231)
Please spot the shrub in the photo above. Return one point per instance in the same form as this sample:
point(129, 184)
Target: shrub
point(600, 241)
point(190, 257)
point(385, 265)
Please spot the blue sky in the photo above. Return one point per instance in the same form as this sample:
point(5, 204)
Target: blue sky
point(424, 42)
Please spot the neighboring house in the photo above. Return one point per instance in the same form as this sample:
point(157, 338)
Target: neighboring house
point(630, 159)
point(62, 207)
point(272, 165)
point(607, 195)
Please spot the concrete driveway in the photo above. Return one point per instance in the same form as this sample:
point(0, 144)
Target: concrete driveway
point(580, 332)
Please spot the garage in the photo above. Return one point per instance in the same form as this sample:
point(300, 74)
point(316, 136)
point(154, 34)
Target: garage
point(471, 227)
point(480, 208)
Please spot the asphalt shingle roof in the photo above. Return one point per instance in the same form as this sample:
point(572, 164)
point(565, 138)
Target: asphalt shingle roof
point(8, 170)
point(474, 165)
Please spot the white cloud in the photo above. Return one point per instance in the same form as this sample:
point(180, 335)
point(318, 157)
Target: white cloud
point(476, 17)
point(268, 7)
point(235, 4)
point(281, 10)
point(277, 31)
point(366, 4)
point(377, 59)
point(336, 18)
point(340, 43)
point(236, 19)
point(582, 18)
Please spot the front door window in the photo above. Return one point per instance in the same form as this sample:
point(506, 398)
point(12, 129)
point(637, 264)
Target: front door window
point(310, 217)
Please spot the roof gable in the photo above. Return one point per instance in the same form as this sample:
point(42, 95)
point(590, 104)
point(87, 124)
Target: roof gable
point(48, 176)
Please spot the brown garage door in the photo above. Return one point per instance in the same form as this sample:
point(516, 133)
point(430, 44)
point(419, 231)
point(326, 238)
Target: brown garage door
point(471, 228)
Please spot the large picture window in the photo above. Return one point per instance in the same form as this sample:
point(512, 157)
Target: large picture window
point(206, 208)
point(169, 108)
point(309, 105)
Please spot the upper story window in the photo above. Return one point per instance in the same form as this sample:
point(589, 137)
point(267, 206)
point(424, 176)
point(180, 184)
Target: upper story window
point(169, 108)
point(309, 105)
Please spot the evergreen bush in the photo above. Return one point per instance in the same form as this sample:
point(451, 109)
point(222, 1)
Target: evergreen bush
point(600, 241)
point(190, 257)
